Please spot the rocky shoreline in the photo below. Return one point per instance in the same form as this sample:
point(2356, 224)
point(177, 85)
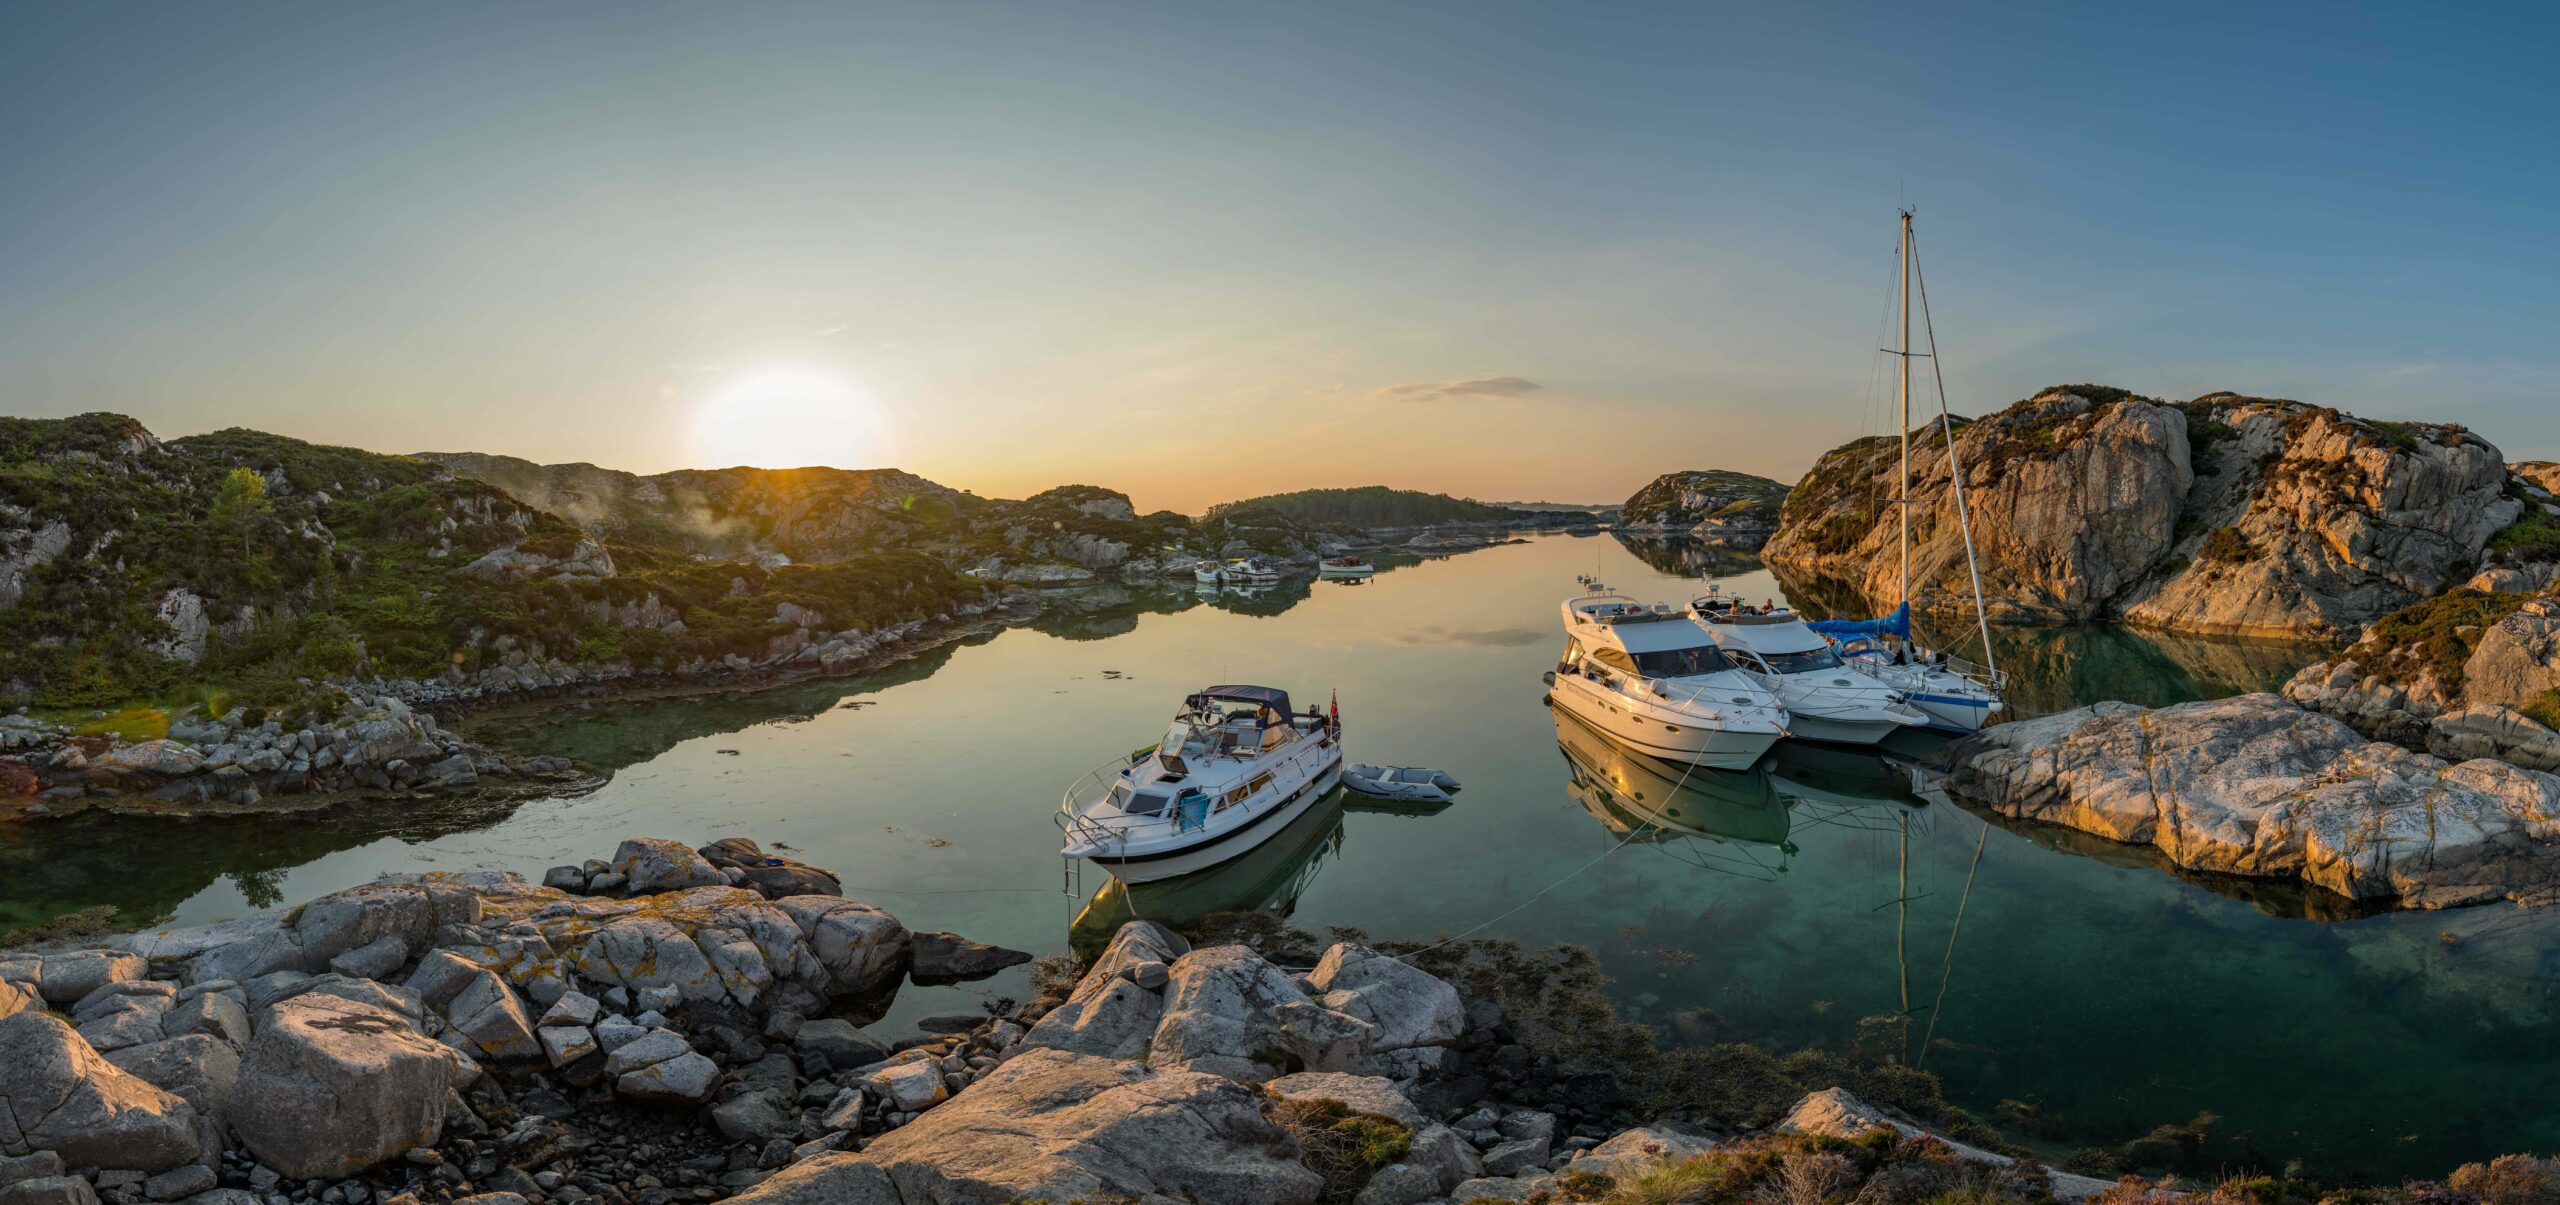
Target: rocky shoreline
point(386, 735)
point(2259, 786)
point(687, 1025)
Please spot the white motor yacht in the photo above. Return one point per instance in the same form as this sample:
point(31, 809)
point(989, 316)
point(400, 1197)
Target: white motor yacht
point(1647, 677)
point(1826, 699)
point(1235, 768)
point(1345, 566)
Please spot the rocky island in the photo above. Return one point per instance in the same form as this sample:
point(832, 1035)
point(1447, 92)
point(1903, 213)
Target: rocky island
point(2225, 515)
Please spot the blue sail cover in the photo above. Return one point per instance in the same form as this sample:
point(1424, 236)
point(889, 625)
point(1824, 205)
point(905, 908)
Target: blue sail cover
point(1896, 624)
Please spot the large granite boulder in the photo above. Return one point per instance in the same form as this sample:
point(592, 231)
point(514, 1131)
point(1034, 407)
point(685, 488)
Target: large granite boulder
point(330, 1087)
point(61, 1096)
point(70, 977)
point(1218, 1015)
point(863, 949)
point(771, 875)
point(1056, 1126)
point(951, 958)
point(1410, 1007)
point(2255, 785)
point(652, 864)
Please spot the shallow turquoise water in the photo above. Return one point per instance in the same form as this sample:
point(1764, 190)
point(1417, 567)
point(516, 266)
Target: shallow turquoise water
point(1788, 906)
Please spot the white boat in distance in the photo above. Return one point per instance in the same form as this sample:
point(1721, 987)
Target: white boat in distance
point(1647, 677)
point(1345, 566)
point(1826, 698)
point(1235, 768)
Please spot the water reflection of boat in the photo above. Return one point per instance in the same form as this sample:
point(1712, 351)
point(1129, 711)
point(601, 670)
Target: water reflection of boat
point(1646, 800)
point(1269, 878)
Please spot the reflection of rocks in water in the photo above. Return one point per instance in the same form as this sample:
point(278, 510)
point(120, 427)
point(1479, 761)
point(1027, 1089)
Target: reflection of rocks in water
point(146, 865)
point(1262, 599)
point(1682, 556)
point(2056, 669)
point(1266, 879)
point(1110, 609)
point(612, 735)
point(1819, 597)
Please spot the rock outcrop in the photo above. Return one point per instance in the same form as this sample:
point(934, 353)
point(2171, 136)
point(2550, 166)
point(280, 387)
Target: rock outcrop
point(2226, 515)
point(2311, 522)
point(331, 1086)
point(1718, 506)
point(1057, 1126)
point(2073, 496)
point(2256, 785)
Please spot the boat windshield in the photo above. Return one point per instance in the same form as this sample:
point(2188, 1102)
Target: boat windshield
point(1805, 662)
point(1682, 663)
point(1183, 740)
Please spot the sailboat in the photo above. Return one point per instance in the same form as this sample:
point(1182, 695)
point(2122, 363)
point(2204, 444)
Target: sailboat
point(1957, 695)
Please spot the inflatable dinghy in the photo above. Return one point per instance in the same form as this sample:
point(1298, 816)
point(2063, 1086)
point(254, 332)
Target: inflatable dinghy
point(1411, 783)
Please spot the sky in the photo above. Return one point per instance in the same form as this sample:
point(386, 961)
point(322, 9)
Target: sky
point(1198, 252)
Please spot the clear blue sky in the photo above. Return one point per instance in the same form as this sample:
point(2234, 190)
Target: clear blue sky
point(1197, 251)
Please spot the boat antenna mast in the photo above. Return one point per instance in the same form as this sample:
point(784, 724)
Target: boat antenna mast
point(1947, 434)
point(1902, 397)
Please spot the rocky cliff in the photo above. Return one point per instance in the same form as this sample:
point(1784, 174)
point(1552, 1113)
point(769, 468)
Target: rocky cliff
point(2073, 495)
point(1729, 509)
point(2227, 514)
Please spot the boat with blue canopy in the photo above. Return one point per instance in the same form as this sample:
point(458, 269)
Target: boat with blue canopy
point(1236, 766)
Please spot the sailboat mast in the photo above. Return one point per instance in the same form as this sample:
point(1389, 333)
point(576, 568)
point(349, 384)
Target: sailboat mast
point(1902, 496)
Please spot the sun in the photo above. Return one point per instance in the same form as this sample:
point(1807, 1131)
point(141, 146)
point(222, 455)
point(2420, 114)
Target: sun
point(784, 418)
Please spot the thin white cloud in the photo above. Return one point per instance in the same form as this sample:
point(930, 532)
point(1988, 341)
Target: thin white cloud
point(1443, 391)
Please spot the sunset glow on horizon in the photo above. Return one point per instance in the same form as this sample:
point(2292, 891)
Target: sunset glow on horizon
point(1194, 256)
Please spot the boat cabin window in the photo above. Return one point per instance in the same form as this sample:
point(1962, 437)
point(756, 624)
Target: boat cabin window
point(1614, 658)
point(1136, 802)
point(1805, 662)
point(1259, 781)
point(1682, 663)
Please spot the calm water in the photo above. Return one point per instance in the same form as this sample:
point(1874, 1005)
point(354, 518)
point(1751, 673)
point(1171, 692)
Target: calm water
point(1782, 907)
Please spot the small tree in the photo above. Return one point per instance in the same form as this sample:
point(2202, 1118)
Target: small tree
point(240, 508)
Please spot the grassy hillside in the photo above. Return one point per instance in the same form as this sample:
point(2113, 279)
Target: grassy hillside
point(237, 562)
point(1364, 506)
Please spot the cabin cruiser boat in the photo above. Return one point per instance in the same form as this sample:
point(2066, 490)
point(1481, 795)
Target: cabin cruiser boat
point(1267, 879)
point(1345, 566)
point(1236, 767)
point(1826, 699)
point(1647, 677)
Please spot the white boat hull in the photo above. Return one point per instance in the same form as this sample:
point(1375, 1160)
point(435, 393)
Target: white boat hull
point(1230, 845)
point(1646, 730)
point(1837, 730)
point(1338, 571)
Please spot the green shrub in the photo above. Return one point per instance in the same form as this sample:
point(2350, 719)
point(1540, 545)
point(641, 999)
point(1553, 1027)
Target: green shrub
point(1341, 1144)
point(2227, 546)
point(2433, 634)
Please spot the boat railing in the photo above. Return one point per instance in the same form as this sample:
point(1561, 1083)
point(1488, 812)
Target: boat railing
point(1673, 692)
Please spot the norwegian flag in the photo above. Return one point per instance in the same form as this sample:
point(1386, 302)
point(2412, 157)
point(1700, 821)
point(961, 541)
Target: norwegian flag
point(1336, 709)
